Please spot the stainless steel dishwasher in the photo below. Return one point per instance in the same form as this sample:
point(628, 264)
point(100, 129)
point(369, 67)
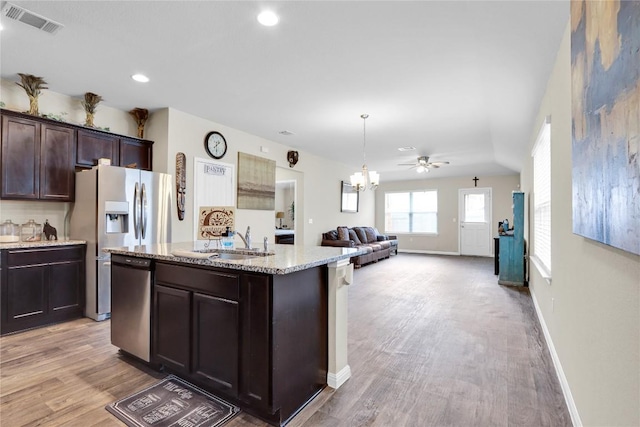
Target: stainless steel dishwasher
point(131, 305)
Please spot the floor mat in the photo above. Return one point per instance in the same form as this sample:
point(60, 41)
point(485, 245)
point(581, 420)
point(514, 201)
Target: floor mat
point(172, 402)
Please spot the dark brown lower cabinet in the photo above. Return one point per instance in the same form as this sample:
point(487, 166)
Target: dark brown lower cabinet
point(171, 328)
point(41, 286)
point(215, 342)
point(196, 327)
point(257, 340)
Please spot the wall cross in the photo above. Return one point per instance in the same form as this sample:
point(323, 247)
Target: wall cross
point(475, 181)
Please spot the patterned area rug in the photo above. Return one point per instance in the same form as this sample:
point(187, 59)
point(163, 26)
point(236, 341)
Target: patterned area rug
point(172, 402)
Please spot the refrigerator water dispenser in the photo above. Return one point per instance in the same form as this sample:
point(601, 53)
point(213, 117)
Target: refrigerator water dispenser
point(116, 217)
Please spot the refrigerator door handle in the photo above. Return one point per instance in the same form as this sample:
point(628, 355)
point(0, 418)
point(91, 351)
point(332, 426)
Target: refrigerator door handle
point(143, 212)
point(136, 210)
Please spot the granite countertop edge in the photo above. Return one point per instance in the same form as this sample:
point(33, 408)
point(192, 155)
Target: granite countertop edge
point(242, 265)
point(41, 244)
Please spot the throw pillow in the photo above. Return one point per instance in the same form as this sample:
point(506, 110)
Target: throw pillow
point(331, 235)
point(371, 234)
point(361, 234)
point(343, 233)
point(353, 236)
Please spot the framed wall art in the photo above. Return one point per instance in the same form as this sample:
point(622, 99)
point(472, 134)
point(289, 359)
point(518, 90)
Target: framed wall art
point(349, 198)
point(256, 182)
point(605, 76)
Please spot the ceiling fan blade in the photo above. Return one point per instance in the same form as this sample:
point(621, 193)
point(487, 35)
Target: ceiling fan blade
point(432, 166)
point(407, 164)
point(439, 163)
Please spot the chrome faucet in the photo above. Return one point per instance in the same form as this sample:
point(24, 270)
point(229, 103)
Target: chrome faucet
point(246, 238)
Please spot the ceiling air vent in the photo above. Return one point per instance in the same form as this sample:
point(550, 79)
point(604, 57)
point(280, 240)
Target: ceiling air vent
point(23, 15)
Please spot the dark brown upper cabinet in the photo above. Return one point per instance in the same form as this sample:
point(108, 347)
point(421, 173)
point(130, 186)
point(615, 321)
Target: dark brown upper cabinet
point(122, 151)
point(39, 156)
point(93, 145)
point(136, 153)
point(37, 159)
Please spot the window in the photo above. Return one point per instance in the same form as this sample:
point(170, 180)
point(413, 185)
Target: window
point(411, 212)
point(474, 209)
point(542, 200)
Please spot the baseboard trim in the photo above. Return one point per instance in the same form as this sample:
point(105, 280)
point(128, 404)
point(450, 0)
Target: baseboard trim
point(564, 384)
point(420, 251)
point(336, 380)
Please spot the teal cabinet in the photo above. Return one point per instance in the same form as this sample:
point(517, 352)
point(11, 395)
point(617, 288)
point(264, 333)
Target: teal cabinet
point(512, 247)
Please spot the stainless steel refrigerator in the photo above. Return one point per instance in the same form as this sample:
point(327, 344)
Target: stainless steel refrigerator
point(114, 207)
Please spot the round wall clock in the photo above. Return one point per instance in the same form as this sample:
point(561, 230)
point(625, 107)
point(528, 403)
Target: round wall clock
point(215, 144)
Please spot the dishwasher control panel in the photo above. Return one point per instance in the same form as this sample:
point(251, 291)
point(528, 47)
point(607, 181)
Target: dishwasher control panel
point(132, 261)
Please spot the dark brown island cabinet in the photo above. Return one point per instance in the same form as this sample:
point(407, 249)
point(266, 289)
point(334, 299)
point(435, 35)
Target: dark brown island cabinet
point(257, 340)
point(41, 286)
point(39, 156)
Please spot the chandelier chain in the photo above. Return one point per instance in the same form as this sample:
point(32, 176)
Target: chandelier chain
point(364, 138)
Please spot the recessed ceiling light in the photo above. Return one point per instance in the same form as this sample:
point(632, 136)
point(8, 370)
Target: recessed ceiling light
point(406, 148)
point(286, 132)
point(140, 78)
point(268, 18)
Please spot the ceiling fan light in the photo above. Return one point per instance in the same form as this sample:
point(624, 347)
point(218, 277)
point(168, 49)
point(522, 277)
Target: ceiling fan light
point(421, 169)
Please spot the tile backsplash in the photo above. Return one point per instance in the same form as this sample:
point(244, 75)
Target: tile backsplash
point(19, 212)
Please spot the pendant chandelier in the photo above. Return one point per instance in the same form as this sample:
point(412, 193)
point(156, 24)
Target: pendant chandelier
point(365, 179)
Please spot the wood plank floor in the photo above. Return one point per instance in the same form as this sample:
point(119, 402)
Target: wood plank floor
point(433, 341)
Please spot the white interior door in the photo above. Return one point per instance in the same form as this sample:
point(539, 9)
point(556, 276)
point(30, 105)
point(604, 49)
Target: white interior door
point(475, 221)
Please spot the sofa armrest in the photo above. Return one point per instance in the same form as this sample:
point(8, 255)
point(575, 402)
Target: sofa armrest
point(382, 237)
point(339, 243)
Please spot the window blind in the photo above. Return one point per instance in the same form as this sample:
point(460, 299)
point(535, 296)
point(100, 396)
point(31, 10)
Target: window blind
point(542, 197)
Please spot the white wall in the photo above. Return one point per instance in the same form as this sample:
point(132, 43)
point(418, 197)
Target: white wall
point(446, 241)
point(50, 102)
point(174, 131)
point(321, 177)
point(592, 306)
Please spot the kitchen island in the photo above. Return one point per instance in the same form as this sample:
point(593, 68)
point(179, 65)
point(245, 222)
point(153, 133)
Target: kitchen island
point(264, 331)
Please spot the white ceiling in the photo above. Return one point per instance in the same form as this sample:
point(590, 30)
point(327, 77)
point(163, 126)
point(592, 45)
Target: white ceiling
point(459, 80)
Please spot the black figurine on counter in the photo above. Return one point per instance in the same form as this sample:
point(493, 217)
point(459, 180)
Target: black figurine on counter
point(50, 232)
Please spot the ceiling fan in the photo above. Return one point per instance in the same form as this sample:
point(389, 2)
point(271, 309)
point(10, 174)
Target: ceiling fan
point(423, 164)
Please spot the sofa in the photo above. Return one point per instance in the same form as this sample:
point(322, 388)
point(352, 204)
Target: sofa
point(378, 246)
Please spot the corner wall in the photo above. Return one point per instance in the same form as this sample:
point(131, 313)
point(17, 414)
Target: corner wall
point(318, 185)
point(446, 241)
point(174, 131)
point(591, 309)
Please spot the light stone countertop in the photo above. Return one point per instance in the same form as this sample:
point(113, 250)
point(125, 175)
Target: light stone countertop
point(285, 259)
point(41, 244)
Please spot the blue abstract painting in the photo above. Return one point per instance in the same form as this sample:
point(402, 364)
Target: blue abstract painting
point(605, 78)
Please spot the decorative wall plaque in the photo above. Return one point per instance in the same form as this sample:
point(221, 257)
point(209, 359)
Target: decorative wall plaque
point(214, 220)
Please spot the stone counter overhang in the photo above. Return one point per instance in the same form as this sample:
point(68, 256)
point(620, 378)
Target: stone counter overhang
point(41, 244)
point(286, 258)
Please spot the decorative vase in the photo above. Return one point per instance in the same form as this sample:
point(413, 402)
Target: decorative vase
point(140, 115)
point(33, 86)
point(89, 103)
point(33, 106)
point(89, 121)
